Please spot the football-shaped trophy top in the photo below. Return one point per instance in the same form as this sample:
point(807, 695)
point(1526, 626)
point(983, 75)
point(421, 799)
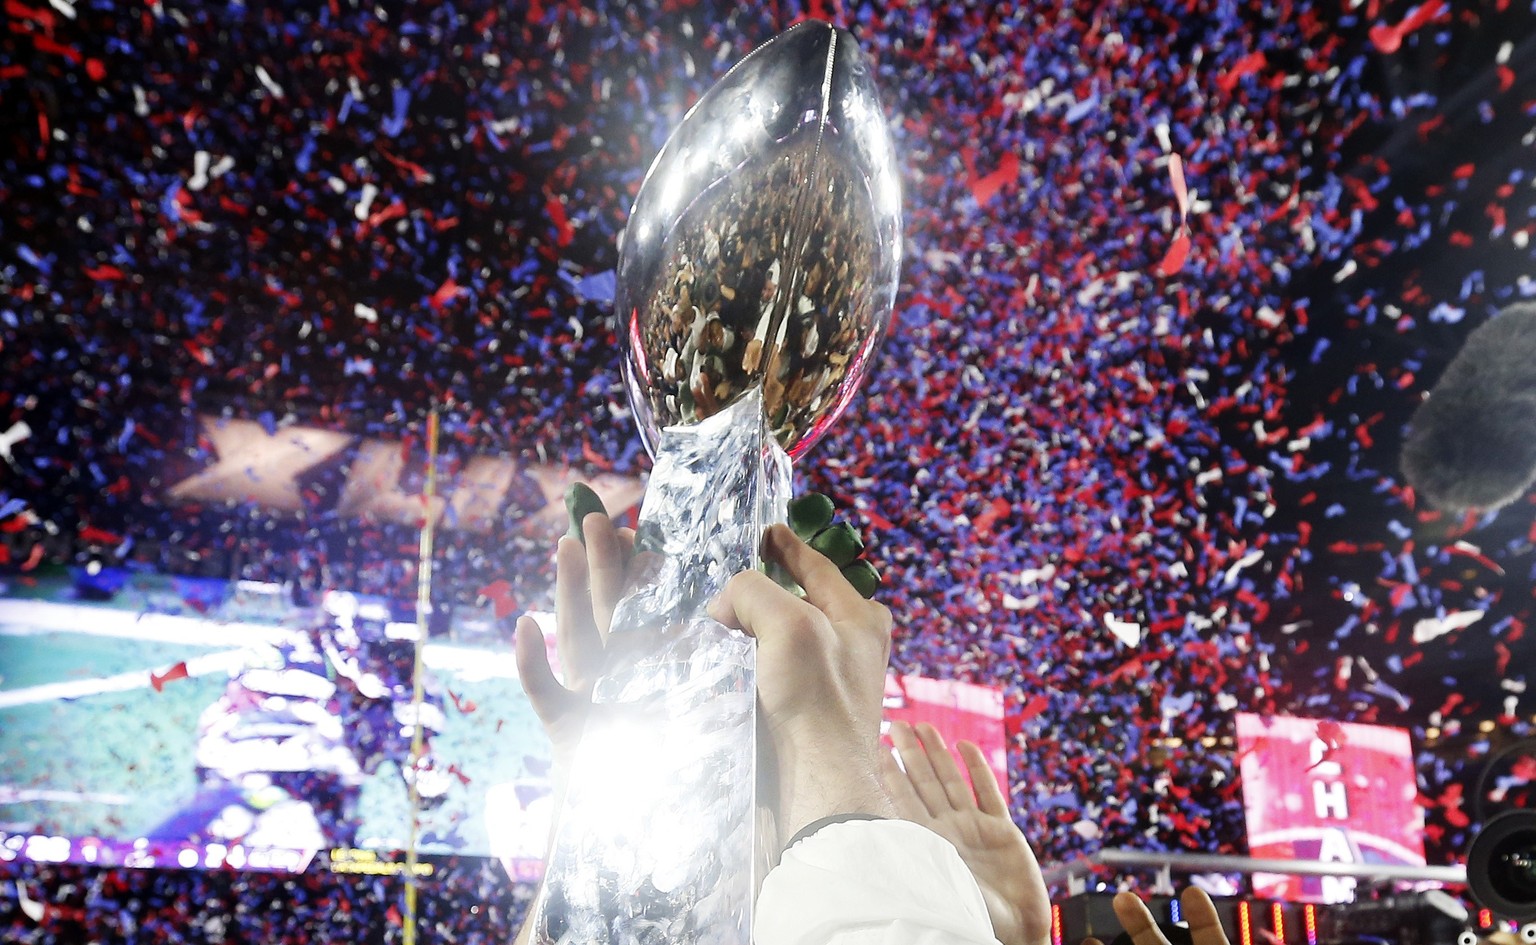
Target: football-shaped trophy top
point(764, 244)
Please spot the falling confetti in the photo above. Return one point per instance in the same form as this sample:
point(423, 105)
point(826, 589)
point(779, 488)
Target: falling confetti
point(158, 680)
point(1060, 439)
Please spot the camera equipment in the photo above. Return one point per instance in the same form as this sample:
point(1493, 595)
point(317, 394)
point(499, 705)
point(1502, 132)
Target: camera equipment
point(1501, 865)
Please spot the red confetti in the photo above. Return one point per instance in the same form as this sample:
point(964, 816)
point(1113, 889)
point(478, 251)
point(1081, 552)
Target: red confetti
point(46, 45)
point(25, 14)
point(984, 188)
point(1176, 256)
point(158, 681)
point(500, 594)
point(91, 535)
point(1248, 65)
point(1389, 39)
point(1033, 708)
point(381, 217)
point(203, 355)
point(104, 273)
point(1471, 551)
point(445, 293)
point(564, 231)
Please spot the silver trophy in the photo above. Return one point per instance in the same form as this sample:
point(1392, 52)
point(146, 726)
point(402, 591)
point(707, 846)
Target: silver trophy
point(756, 280)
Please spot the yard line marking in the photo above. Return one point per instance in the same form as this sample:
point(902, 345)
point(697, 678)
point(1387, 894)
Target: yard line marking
point(120, 682)
point(29, 617)
point(10, 794)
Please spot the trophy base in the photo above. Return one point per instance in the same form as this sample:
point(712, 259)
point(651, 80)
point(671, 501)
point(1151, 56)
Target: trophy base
point(656, 843)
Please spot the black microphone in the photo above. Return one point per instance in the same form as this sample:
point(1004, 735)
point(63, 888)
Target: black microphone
point(1472, 442)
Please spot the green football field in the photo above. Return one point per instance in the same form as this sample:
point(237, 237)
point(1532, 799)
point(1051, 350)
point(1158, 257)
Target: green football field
point(89, 748)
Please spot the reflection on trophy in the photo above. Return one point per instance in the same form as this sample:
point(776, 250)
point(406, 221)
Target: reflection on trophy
point(756, 279)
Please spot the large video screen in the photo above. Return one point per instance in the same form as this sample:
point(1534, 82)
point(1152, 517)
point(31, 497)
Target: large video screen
point(198, 722)
point(155, 720)
point(1327, 790)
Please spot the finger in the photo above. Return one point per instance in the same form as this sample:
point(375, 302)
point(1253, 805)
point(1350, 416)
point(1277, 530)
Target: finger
point(753, 603)
point(955, 787)
point(920, 773)
point(548, 698)
point(989, 794)
point(897, 785)
point(825, 587)
point(606, 569)
point(1137, 920)
point(1204, 921)
point(581, 501)
point(581, 646)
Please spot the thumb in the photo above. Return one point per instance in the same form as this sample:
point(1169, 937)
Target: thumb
point(550, 700)
point(755, 604)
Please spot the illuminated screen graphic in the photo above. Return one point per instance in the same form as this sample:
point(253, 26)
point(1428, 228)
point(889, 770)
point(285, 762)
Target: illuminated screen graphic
point(958, 710)
point(196, 722)
point(156, 721)
point(1326, 790)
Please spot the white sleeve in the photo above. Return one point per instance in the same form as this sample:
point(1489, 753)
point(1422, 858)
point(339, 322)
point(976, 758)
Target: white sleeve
point(871, 882)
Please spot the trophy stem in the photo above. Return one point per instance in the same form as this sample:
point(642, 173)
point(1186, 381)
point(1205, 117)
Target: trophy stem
point(656, 840)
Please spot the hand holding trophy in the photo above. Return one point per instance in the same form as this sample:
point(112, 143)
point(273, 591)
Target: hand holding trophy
point(756, 279)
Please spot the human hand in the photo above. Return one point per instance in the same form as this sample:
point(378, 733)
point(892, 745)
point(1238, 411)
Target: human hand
point(590, 579)
point(1199, 912)
point(820, 680)
point(929, 789)
point(592, 574)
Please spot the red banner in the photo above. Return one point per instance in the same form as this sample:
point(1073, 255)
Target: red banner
point(1325, 790)
point(958, 710)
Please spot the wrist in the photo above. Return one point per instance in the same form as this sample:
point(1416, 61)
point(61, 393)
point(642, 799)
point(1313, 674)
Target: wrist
point(813, 786)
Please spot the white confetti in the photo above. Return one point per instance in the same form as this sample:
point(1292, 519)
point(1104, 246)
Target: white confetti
point(1125, 631)
point(199, 178)
point(1432, 627)
point(19, 431)
point(1251, 558)
point(363, 205)
point(266, 80)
